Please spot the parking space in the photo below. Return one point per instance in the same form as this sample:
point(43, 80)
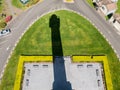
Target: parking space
point(82, 76)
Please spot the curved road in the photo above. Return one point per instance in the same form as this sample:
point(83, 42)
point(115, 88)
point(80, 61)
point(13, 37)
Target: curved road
point(21, 23)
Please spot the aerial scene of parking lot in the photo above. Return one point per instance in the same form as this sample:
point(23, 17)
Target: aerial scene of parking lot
point(59, 44)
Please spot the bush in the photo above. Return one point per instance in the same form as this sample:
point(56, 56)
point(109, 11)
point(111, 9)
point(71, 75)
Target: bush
point(3, 24)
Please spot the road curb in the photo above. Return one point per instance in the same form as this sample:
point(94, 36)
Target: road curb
point(38, 17)
point(24, 31)
point(98, 31)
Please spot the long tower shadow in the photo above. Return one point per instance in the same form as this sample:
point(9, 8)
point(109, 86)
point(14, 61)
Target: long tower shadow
point(60, 81)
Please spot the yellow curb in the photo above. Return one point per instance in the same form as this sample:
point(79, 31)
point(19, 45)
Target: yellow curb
point(22, 59)
point(102, 59)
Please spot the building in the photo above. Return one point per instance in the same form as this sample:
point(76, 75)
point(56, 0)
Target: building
point(115, 20)
point(107, 7)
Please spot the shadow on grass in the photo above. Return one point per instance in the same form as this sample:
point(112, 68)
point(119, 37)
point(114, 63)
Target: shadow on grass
point(60, 81)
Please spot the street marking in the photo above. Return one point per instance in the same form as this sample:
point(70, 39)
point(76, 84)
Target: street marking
point(7, 48)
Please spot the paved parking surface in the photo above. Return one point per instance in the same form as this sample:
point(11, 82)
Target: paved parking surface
point(38, 76)
point(82, 76)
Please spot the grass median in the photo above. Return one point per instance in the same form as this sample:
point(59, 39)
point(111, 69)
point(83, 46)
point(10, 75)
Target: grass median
point(17, 4)
point(78, 37)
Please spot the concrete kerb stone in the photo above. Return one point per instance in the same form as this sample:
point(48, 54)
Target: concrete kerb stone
point(28, 61)
point(91, 23)
point(5, 66)
point(13, 50)
point(22, 60)
point(42, 16)
point(98, 30)
point(17, 43)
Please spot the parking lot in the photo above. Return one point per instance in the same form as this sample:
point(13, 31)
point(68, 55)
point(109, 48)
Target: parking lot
point(82, 76)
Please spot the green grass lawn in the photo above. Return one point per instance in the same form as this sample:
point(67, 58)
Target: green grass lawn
point(90, 2)
point(118, 5)
point(1, 5)
point(78, 37)
point(18, 4)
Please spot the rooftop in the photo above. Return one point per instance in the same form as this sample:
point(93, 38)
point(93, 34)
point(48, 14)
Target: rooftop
point(111, 6)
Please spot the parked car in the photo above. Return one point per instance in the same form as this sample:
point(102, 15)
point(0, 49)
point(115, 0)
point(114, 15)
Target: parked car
point(8, 18)
point(4, 32)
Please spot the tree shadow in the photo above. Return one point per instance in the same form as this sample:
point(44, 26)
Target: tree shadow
point(60, 80)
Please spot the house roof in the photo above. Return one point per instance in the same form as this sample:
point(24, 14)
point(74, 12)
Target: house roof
point(106, 2)
point(111, 6)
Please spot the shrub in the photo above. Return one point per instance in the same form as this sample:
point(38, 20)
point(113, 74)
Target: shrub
point(3, 24)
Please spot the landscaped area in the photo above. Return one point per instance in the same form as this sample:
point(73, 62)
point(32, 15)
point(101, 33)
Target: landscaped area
point(78, 37)
point(19, 4)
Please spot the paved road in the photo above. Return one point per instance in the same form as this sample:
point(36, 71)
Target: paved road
point(8, 2)
point(21, 23)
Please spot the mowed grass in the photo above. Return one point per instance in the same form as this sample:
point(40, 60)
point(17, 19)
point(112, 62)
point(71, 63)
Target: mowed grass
point(78, 37)
point(1, 5)
point(118, 6)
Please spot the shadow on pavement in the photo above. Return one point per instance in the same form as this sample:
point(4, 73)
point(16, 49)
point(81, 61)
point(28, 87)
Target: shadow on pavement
point(60, 81)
